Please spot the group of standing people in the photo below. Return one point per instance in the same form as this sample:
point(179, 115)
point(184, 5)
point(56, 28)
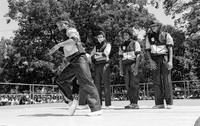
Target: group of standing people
point(159, 49)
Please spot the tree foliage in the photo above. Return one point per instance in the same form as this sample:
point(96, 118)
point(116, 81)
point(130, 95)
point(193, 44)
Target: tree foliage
point(190, 21)
point(6, 49)
point(37, 31)
point(190, 18)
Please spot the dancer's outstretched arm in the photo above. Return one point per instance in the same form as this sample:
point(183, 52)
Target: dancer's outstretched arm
point(57, 46)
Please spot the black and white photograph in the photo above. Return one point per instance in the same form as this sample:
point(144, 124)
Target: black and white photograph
point(100, 63)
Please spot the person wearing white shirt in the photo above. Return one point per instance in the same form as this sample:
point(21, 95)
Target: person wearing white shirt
point(129, 53)
point(159, 46)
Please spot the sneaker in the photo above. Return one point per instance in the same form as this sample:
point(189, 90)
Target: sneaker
point(95, 113)
point(81, 107)
point(132, 106)
point(158, 107)
point(110, 107)
point(169, 107)
point(197, 122)
point(72, 108)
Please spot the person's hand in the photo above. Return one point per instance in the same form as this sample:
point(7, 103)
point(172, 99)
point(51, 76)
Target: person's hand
point(153, 65)
point(89, 58)
point(121, 74)
point(120, 53)
point(169, 65)
point(50, 52)
point(134, 69)
point(135, 72)
point(48, 56)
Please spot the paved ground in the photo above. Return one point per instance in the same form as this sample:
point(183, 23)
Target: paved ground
point(184, 113)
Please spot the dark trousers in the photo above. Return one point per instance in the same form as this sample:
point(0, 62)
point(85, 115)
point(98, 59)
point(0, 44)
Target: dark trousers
point(77, 90)
point(102, 77)
point(162, 81)
point(79, 68)
point(132, 84)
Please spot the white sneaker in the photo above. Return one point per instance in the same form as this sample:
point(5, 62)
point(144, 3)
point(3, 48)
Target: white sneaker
point(158, 107)
point(110, 107)
point(81, 107)
point(70, 103)
point(95, 113)
point(72, 108)
point(169, 106)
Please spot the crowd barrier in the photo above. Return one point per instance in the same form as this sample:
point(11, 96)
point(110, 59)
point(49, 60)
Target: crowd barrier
point(181, 89)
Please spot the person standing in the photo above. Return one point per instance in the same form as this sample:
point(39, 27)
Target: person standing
point(159, 50)
point(77, 67)
point(100, 58)
point(129, 53)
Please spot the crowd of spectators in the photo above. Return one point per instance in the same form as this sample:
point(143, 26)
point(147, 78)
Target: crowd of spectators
point(50, 95)
point(119, 93)
point(24, 99)
point(40, 95)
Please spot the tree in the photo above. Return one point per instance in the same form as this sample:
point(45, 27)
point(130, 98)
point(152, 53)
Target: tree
point(6, 49)
point(190, 21)
point(38, 32)
point(180, 68)
point(190, 18)
point(186, 15)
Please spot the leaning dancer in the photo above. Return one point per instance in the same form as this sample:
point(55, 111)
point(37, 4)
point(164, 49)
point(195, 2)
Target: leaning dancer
point(77, 67)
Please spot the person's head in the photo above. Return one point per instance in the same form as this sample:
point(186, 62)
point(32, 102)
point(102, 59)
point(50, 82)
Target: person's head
point(127, 34)
point(155, 27)
point(101, 37)
point(62, 25)
point(66, 24)
point(73, 33)
point(69, 26)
